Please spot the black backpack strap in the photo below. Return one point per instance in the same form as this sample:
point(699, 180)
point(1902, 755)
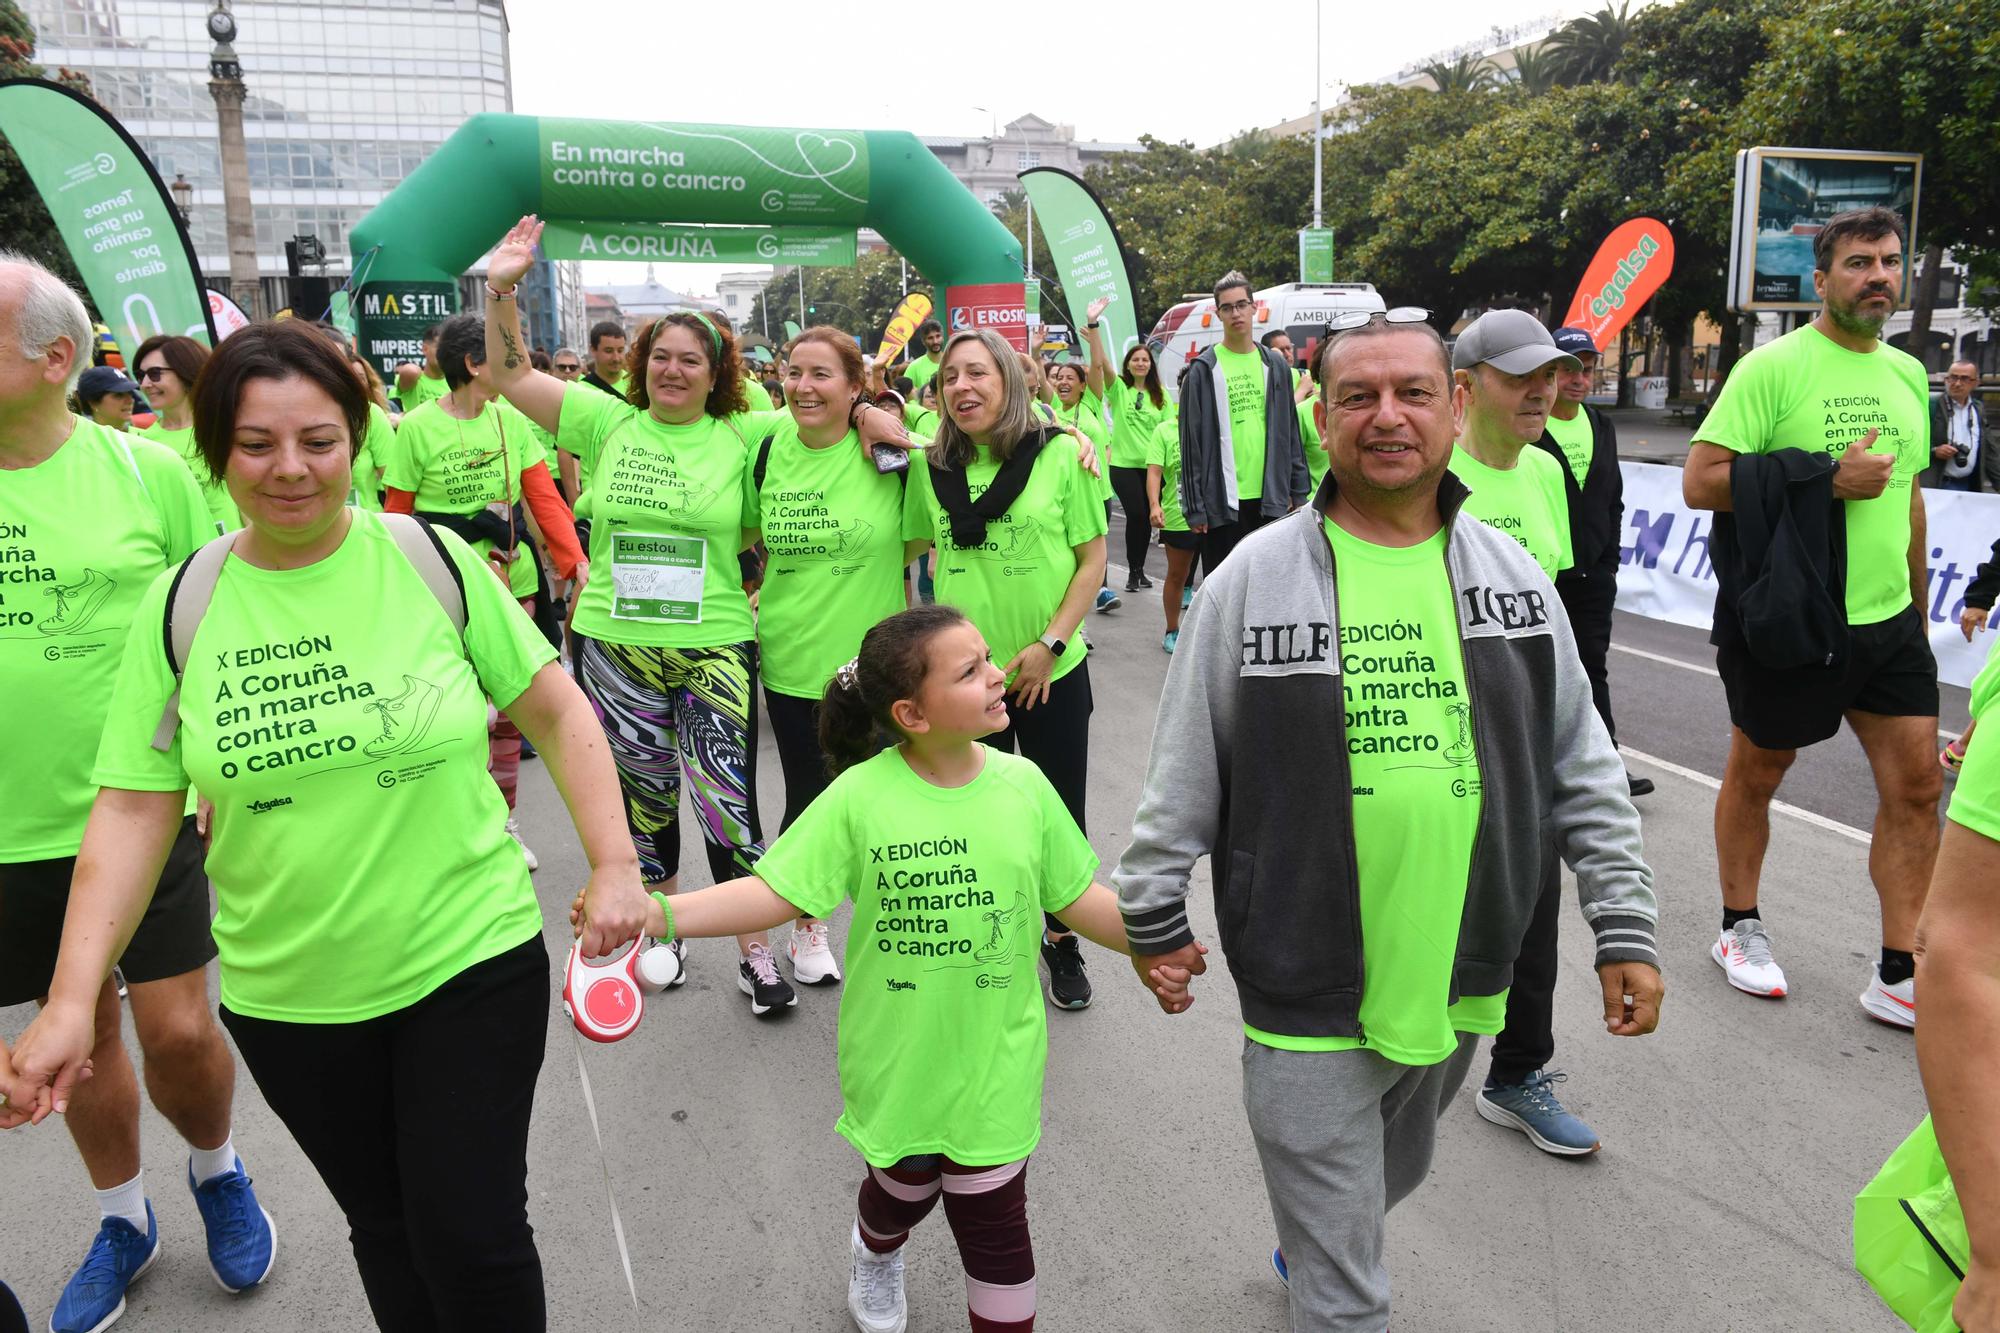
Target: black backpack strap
point(763, 461)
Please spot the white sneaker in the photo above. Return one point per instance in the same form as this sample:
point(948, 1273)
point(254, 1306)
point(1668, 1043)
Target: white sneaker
point(812, 961)
point(1895, 1005)
point(875, 1288)
point(527, 852)
point(1744, 955)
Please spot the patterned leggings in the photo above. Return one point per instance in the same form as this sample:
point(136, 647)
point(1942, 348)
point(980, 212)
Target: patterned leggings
point(987, 1209)
point(667, 708)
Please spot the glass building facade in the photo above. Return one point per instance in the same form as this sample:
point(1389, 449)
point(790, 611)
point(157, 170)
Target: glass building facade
point(346, 97)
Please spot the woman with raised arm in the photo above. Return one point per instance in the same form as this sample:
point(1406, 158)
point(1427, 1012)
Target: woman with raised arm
point(1138, 406)
point(666, 648)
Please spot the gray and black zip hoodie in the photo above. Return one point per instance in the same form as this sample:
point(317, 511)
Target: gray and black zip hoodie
point(1249, 767)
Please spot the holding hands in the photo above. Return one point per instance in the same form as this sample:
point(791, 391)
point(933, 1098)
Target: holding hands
point(1169, 975)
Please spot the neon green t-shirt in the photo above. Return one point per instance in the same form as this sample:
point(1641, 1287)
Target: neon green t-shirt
point(461, 467)
point(1316, 463)
point(378, 447)
point(1163, 451)
point(755, 394)
point(1011, 584)
point(942, 1039)
point(1244, 374)
point(921, 371)
point(1805, 391)
point(1088, 416)
point(1133, 421)
point(1575, 439)
point(1527, 502)
point(668, 508)
point(221, 509)
point(339, 725)
point(920, 421)
point(833, 526)
point(428, 389)
point(1975, 800)
point(1416, 798)
point(82, 535)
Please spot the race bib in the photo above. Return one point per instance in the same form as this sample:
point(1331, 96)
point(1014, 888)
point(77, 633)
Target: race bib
point(657, 577)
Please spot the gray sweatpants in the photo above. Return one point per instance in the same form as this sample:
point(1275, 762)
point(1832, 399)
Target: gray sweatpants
point(1343, 1137)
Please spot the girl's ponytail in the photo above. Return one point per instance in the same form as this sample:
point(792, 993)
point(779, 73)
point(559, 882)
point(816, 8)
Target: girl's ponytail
point(854, 709)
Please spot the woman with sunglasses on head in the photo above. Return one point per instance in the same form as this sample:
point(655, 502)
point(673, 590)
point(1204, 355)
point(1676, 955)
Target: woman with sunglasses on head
point(466, 461)
point(666, 645)
point(1138, 406)
point(167, 365)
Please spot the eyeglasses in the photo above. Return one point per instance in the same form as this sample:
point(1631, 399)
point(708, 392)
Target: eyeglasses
point(153, 374)
point(567, 367)
point(1236, 307)
point(1354, 319)
point(1963, 379)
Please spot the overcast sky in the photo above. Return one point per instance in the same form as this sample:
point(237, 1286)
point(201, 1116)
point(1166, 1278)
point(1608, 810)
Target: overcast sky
point(817, 65)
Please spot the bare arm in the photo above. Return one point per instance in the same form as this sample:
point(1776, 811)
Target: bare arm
point(1958, 1043)
point(125, 845)
point(1093, 340)
point(553, 714)
point(1082, 590)
point(1919, 545)
point(736, 907)
point(536, 393)
point(572, 477)
point(1155, 475)
point(1096, 917)
point(1705, 477)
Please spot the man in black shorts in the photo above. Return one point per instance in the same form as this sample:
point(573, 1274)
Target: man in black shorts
point(94, 516)
point(1827, 412)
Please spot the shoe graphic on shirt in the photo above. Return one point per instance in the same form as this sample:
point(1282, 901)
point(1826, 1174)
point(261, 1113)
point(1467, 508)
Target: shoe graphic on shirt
point(406, 718)
point(848, 541)
point(997, 945)
point(1460, 750)
point(691, 501)
point(77, 603)
point(1015, 541)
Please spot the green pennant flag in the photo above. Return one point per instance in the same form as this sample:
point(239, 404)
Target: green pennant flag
point(111, 211)
point(1087, 255)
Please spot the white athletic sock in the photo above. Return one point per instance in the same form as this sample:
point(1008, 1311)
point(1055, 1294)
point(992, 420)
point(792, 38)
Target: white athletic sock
point(127, 1201)
point(208, 1163)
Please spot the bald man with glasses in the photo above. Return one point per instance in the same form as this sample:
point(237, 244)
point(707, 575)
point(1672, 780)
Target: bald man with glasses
point(1960, 460)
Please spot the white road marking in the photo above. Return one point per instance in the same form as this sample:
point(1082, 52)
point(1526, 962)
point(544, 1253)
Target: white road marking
point(1669, 661)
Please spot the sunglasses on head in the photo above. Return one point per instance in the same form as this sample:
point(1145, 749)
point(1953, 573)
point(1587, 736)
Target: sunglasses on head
point(1354, 319)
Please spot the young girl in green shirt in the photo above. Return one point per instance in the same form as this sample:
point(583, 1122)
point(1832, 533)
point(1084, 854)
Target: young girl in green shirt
point(951, 850)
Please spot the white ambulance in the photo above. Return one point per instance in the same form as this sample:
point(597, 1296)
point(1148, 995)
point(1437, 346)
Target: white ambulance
point(1301, 309)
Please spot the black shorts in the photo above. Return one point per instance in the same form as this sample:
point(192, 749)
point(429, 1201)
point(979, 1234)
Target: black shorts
point(1890, 671)
point(172, 937)
point(1182, 540)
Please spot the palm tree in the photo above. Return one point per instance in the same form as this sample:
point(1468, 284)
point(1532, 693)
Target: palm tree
point(1586, 50)
point(1534, 70)
point(1467, 74)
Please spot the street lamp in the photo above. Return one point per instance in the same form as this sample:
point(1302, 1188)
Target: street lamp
point(183, 194)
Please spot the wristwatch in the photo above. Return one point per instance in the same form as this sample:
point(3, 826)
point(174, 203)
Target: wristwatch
point(1053, 644)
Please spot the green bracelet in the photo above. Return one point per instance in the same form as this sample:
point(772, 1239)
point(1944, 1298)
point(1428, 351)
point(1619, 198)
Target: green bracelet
point(667, 909)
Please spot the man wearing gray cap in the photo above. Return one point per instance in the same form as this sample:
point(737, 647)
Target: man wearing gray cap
point(1505, 365)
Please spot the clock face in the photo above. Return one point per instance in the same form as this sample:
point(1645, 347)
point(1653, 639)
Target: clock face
point(221, 27)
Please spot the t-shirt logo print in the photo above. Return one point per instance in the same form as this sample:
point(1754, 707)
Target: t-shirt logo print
point(77, 603)
point(692, 501)
point(1015, 542)
point(406, 718)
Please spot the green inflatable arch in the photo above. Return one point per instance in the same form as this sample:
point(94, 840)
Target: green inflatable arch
point(608, 175)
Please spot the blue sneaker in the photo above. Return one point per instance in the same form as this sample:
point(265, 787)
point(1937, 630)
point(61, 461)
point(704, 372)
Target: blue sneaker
point(1173, 637)
point(120, 1256)
point(1108, 600)
point(242, 1240)
point(1187, 595)
point(1278, 1267)
point(1531, 1107)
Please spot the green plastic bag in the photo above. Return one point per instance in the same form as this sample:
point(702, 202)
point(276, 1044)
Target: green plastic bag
point(1909, 1235)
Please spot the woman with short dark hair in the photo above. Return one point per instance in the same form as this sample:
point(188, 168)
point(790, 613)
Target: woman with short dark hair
point(382, 966)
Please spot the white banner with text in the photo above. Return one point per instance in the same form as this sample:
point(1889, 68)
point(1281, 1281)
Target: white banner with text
point(1665, 571)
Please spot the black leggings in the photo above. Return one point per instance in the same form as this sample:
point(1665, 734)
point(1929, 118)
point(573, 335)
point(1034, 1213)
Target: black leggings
point(1129, 485)
point(1222, 537)
point(418, 1123)
point(795, 728)
point(1528, 1041)
point(1054, 735)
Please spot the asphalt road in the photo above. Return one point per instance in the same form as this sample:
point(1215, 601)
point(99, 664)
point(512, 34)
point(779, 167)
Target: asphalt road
point(1735, 1138)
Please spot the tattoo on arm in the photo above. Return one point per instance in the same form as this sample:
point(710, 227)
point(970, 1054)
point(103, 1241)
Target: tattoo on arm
point(513, 349)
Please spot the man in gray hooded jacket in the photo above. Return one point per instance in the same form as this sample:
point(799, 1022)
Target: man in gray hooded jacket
point(1375, 711)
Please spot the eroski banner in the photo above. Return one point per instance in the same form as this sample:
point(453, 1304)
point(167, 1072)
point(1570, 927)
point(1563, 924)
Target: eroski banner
point(1000, 306)
point(111, 210)
point(1665, 572)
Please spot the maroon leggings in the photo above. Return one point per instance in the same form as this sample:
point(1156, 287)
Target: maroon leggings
point(987, 1209)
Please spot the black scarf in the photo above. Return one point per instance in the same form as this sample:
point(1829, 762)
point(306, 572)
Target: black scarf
point(969, 517)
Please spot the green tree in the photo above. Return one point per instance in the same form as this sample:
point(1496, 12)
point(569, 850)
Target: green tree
point(25, 224)
point(1466, 74)
point(1903, 75)
point(859, 300)
point(1587, 49)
